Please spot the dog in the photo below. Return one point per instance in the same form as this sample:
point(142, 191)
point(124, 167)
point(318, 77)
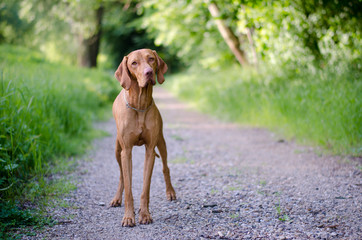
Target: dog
point(139, 123)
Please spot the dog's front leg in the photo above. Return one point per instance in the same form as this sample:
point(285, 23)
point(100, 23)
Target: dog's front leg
point(145, 216)
point(117, 200)
point(129, 216)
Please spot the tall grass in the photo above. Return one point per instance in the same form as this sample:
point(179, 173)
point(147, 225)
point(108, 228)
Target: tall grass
point(317, 106)
point(47, 111)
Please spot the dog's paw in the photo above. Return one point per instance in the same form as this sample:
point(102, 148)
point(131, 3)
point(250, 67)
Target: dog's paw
point(145, 217)
point(128, 221)
point(171, 194)
point(116, 202)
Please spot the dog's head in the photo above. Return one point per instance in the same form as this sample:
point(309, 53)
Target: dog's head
point(142, 66)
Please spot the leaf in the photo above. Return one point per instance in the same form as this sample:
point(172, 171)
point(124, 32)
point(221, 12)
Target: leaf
point(11, 166)
point(30, 101)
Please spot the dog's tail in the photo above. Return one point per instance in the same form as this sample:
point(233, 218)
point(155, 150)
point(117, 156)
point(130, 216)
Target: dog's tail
point(156, 154)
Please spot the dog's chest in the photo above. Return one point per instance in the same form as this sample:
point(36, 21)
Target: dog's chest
point(140, 121)
point(141, 129)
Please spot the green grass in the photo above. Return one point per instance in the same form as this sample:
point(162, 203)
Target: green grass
point(14, 217)
point(316, 106)
point(47, 110)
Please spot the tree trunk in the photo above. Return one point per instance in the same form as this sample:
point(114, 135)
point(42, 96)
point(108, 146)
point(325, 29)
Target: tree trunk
point(89, 47)
point(228, 35)
point(251, 42)
point(249, 34)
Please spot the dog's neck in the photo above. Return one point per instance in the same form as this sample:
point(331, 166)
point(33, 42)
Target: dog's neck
point(140, 98)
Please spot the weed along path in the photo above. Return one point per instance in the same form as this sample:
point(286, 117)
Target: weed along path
point(232, 182)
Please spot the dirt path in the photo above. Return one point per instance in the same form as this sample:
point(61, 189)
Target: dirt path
point(232, 182)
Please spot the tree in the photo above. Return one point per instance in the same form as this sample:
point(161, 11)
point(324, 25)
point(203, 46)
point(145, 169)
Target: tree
point(187, 29)
point(12, 27)
point(71, 25)
point(276, 32)
point(320, 17)
point(89, 46)
point(231, 40)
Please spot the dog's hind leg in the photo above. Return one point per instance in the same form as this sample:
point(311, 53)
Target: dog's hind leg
point(170, 192)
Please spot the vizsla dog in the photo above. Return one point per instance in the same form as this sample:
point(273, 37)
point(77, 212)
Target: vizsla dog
point(139, 123)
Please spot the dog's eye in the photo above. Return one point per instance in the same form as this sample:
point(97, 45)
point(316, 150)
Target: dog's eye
point(134, 63)
point(151, 59)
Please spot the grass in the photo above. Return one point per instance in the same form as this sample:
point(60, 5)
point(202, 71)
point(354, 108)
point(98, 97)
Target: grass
point(317, 106)
point(181, 160)
point(47, 110)
point(13, 217)
point(177, 138)
point(282, 216)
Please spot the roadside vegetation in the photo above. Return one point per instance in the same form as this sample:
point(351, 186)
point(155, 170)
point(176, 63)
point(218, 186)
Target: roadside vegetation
point(319, 108)
point(47, 110)
point(300, 72)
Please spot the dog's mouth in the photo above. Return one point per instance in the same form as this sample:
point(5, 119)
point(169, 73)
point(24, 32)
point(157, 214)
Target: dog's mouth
point(152, 80)
point(146, 81)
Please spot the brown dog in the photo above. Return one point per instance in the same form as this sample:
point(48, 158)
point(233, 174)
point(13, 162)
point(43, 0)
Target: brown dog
point(139, 123)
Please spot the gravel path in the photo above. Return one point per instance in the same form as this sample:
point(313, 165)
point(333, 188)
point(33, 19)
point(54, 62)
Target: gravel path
point(232, 182)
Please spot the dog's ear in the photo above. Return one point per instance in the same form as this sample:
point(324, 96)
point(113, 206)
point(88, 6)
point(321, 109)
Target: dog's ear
point(122, 74)
point(161, 68)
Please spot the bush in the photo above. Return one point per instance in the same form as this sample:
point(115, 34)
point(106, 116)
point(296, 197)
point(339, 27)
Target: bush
point(317, 105)
point(46, 111)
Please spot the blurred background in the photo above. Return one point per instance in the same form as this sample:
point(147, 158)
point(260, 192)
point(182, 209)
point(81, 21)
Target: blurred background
point(291, 66)
point(211, 34)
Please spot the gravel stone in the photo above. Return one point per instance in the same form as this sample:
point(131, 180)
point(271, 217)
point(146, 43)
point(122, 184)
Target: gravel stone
point(231, 181)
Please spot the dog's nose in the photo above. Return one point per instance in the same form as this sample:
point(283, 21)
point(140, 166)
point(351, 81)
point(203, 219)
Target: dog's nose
point(148, 72)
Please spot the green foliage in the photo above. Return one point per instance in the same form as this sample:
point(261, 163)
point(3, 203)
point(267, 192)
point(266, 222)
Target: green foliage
point(12, 28)
point(321, 106)
point(46, 111)
point(59, 29)
point(282, 31)
point(303, 30)
point(122, 34)
point(13, 217)
point(186, 28)
point(55, 27)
